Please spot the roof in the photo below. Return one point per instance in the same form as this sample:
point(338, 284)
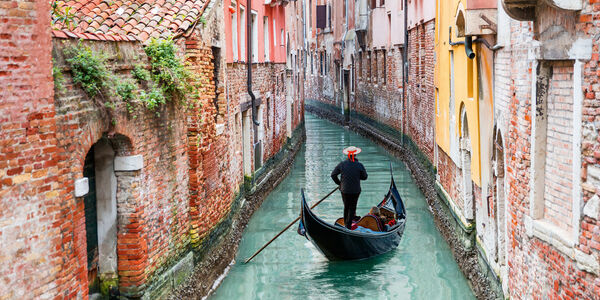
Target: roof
point(138, 19)
point(67, 34)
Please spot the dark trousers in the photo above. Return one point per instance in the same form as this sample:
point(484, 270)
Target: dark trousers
point(350, 201)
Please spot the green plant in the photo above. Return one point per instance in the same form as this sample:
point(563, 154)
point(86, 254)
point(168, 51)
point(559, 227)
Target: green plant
point(59, 79)
point(153, 98)
point(89, 70)
point(140, 73)
point(60, 13)
point(168, 72)
point(126, 90)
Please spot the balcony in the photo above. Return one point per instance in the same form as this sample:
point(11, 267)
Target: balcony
point(477, 18)
point(524, 10)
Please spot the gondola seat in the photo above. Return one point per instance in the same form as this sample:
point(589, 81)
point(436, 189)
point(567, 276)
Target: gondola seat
point(369, 221)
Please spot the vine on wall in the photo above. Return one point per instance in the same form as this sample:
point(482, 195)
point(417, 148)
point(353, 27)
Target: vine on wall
point(166, 80)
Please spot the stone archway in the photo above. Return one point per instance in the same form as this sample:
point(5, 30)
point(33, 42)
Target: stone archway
point(109, 176)
point(101, 216)
point(465, 156)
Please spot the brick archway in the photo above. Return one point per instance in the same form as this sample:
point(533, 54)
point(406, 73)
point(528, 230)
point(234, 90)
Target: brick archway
point(110, 212)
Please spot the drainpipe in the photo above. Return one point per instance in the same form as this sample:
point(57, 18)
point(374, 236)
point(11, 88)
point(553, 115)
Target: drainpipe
point(249, 59)
point(469, 47)
point(405, 69)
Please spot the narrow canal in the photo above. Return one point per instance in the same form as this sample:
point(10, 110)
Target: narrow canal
point(291, 268)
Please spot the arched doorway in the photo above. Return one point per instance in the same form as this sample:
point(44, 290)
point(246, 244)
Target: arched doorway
point(465, 154)
point(100, 205)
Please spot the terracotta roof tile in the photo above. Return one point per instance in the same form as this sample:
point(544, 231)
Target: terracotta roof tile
point(59, 34)
point(66, 34)
point(137, 19)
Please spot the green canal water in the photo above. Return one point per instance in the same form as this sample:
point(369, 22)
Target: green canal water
point(422, 267)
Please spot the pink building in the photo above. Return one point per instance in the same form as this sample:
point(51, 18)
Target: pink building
point(420, 12)
point(268, 26)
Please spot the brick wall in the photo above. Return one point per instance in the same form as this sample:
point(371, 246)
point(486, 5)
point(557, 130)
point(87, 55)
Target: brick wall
point(268, 84)
point(152, 211)
point(420, 104)
point(30, 194)
point(536, 267)
point(212, 179)
point(380, 102)
point(321, 86)
point(450, 177)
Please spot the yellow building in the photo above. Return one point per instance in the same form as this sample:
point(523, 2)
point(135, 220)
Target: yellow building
point(464, 97)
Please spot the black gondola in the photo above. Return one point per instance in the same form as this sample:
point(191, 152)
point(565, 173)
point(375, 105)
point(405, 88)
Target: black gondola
point(339, 243)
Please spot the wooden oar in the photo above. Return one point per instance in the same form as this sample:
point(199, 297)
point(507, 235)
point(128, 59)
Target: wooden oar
point(287, 227)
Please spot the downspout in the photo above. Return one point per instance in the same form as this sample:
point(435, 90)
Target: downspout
point(405, 70)
point(249, 61)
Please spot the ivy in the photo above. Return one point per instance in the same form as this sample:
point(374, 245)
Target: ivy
point(126, 90)
point(140, 74)
point(153, 98)
point(167, 80)
point(89, 70)
point(167, 71)
point(59, 79)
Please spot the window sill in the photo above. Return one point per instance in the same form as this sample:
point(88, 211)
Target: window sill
point(559, 239)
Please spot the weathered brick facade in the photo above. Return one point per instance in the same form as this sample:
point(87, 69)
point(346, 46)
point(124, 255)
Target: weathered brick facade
point(29, 187)
point(547, 261)
point(420, 104)
point(173, 173)
point(381, 100)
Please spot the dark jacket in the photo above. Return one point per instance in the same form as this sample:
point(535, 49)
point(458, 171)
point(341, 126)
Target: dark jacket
point(352, 174)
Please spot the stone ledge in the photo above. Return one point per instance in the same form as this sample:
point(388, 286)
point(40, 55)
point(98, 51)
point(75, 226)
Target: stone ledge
point(82, 187)
point(129, 163)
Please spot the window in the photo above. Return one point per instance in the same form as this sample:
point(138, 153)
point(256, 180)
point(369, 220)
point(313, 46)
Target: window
point(274, 35)
point(353, 76)
point(281, 39)
point(389, 38)
point(242, 34)
point(373, 4)
point(344, 12)
point(556, 181)
point(266, 37)
point(329, 16)
point(369, 66)
point(375, 74)
point(254, 28)
point(234, 37)
point(321, 70)
point(321, 16)
point(360, 64)
point(384, 69)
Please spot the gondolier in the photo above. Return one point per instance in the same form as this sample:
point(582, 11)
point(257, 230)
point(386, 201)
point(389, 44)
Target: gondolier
point(352, 172)
point(337, 243)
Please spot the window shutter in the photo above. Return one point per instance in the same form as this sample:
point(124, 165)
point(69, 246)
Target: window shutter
point(321, 16)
